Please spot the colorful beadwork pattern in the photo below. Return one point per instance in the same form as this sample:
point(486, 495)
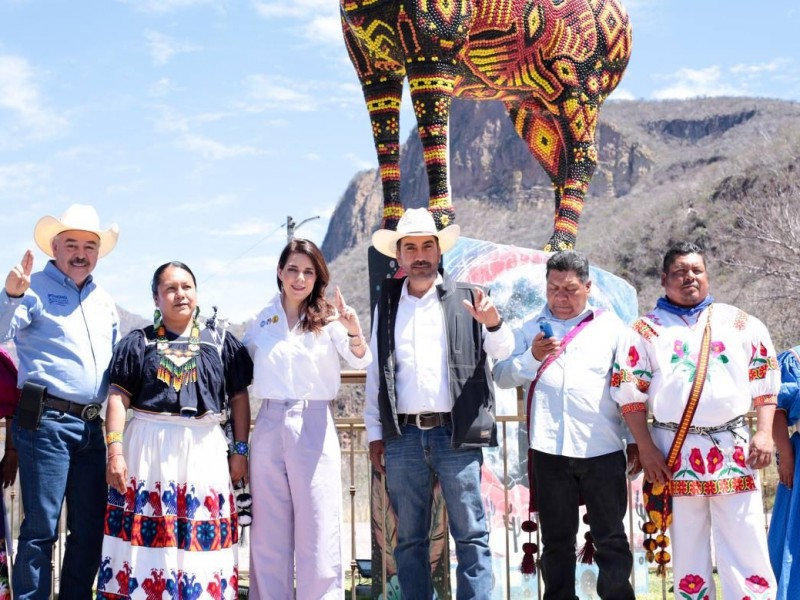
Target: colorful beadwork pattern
point(552, 63)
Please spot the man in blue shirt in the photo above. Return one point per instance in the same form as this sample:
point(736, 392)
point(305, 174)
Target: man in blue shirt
point(64, 327)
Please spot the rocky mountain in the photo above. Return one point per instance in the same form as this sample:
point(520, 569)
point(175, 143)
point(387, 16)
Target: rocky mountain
point(667, 171)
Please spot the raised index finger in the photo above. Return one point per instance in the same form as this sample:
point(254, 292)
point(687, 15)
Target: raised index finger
point(339, 299)
point(27, 262)
point(478, 296)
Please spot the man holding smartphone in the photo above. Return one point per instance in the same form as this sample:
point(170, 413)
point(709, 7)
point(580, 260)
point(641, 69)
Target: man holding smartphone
point(567, 353)
point(64, 327)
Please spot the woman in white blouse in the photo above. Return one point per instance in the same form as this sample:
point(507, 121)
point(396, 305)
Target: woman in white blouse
point(295, 460)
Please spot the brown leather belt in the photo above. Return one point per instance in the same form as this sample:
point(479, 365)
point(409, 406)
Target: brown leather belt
point(427, 420)
point(87, 412)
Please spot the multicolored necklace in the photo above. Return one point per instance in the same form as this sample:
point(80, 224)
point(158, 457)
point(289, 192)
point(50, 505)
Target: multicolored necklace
point(177, 366)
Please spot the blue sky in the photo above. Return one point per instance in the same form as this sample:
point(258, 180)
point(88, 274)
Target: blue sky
point(199, 125)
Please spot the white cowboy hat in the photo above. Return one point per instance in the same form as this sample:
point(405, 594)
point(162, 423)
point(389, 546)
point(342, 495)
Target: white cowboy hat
point(415, 221)
point(78, 217)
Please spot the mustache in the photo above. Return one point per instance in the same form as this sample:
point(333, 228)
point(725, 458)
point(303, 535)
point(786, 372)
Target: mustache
point(79, 262)
point(421, 263)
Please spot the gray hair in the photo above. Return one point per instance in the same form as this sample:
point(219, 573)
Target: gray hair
point(569, 260)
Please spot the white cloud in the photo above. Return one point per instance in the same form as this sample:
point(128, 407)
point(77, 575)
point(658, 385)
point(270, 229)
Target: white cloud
point(359, 162)
point(208, 204)
point(162, 87)
point(19, 94)
point(320, 22)
point(169, 6)
point(756, 70)
point(214, 150)
point(270, 92)
point(691, 83)
point(162, 47)
point(742, 79)
point(20, 177)
point(251, 227)
point(324, 30)
point(621, 94)
point(298, 9)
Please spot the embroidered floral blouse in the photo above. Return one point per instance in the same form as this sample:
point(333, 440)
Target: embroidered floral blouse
point(661, 363)
point(137, 370)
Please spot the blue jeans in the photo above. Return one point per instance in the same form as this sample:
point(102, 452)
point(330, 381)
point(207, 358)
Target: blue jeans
point(412, 462)
point(559, 483)
point(64, 457)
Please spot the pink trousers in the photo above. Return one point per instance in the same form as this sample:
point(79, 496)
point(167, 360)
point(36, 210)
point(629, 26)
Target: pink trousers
point(295, 480)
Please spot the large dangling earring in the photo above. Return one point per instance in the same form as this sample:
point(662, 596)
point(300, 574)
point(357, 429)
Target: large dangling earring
point(157, 320)
point(196, 312)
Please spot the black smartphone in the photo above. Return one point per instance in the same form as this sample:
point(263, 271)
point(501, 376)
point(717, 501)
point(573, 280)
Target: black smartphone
point(546, 329)
point(31, 403)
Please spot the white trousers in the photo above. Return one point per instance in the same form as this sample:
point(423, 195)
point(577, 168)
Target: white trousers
point(295, 480)
point(740, 544)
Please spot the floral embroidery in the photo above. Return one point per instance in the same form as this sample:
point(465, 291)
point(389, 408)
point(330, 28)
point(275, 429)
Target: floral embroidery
point(684, 361)
point(740, 320)
point(765, 399)
point(757, 583)
point(761, 362)
point(678, 461)
point(714, 460)
point(633, 407)
point(693, 587)
point(644, 329)
point(719, 487)
point(633, 356)
point(738, 456)
point(696, 460)
point(695, 466)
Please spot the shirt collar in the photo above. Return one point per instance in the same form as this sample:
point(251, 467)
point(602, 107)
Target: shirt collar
point(52, 271)
point(404, 293)
point(548, 315)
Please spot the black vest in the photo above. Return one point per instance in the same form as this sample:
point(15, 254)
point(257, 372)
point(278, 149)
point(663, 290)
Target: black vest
point(469, 374)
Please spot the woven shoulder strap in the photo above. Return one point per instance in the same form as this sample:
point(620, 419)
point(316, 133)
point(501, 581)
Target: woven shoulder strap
point(694, 394)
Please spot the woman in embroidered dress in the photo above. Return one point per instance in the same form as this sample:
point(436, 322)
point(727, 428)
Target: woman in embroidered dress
point(9, 397)
point(295, 470)
point(784, 529)
point(171, 518)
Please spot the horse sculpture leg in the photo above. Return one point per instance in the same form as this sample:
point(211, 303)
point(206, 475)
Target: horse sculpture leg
point(431, 94)
point(432, 35)
point(383, 103)
point(561, 138)
point(371, 39)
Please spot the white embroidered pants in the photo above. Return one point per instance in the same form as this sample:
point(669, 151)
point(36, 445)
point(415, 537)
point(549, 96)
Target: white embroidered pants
point(295, 480)
point(740, 545)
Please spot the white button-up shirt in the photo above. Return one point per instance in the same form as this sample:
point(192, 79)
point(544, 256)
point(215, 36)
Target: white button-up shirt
point(572, 412)
point(297, 364)
point(422, 381)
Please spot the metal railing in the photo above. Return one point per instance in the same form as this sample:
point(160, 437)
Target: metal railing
point(356, 482)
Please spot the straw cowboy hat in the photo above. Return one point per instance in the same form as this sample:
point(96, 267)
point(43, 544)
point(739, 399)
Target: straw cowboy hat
point(78, 217)
point(415, 221)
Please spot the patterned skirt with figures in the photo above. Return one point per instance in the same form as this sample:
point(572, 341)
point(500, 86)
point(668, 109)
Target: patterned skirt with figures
point(174, 532)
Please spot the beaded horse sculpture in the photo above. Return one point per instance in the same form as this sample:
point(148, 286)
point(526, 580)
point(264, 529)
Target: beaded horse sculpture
point(551, 62)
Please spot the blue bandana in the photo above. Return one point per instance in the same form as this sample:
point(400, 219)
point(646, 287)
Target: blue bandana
point(683, 311)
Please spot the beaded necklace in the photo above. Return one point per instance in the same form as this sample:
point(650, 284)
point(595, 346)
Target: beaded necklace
point(177, 366)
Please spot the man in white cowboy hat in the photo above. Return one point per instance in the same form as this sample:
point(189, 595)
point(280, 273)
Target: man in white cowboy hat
point(64, 327)
point(430, 404)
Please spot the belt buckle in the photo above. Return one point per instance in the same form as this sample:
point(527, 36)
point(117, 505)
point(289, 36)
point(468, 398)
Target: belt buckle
point(90, 412)
point(418, 422)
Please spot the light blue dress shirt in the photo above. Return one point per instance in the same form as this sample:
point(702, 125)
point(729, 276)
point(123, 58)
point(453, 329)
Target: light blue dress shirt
point(63, 335)
point(573, 413)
